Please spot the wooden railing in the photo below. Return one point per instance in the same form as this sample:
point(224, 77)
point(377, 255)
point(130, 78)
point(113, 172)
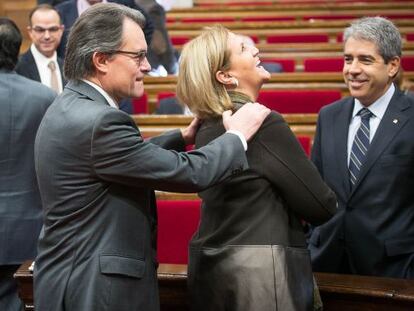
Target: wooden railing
point(339, 292)
point(153, 125)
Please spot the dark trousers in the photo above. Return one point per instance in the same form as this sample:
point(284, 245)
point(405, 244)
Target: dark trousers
point(9, 299)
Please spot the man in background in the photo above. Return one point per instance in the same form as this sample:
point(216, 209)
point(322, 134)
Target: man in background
point(364, 150)
point(97, 175)
point(22, 105)
point(40, 62)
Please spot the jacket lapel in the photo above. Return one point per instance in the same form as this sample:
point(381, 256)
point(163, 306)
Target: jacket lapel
point(34, 72)
point(393, 121)
point(341, 126)
point(85, 89)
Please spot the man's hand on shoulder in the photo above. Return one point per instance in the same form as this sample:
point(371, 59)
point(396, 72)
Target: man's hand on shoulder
point(190, 131)
point(247, 120)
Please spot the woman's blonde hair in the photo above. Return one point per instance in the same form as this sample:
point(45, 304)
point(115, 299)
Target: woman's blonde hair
point(200, 60)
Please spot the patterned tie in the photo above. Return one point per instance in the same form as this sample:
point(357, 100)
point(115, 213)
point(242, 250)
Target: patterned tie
point(53, 77)
point(360, 145)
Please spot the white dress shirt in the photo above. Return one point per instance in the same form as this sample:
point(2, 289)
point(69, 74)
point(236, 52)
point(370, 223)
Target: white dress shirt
point(378, 109)
point(42, 63)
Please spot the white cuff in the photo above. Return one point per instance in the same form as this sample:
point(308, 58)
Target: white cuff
point(241, 136)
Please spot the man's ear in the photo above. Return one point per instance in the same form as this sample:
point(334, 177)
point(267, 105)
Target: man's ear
point(100, 62)
point(225, 78)
point(29, 32)
point(393, 66)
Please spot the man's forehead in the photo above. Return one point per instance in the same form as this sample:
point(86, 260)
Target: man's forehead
point(133, 35)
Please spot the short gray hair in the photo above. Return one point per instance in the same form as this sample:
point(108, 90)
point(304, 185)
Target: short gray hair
point(382, 32)
point(98, 29)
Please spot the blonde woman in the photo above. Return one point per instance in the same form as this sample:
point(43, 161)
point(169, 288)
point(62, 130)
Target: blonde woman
point(249, 252)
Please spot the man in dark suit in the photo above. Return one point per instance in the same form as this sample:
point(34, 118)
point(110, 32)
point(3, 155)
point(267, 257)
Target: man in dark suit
point(40, 62)
point(70, 11)
point(22, 104)
point(97, 176)
point(364, 149)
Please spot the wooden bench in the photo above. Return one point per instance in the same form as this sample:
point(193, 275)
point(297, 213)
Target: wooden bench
point(338, 292)
point(153, 125)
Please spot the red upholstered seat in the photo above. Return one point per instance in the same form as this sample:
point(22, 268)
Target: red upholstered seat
point(410, 36)
point(267, 18)
point(288, 65)
point(298, 101)
point(340, 37)
point(177, 222)
point(407, 62)
point(254, 38)
point(332, 64)
point(305, 142)
point(162, 95)
point(298, 38)
point(140, 105)
point(207, 19)
point(329, 17)
point(179, 40)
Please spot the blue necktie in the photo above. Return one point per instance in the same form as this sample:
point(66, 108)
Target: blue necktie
point(360, 146)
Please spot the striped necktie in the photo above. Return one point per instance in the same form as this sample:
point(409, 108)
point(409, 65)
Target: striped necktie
point(359, 146)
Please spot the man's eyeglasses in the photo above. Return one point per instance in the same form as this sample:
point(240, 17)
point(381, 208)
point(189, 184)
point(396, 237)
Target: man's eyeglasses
point(137, 56)
point(40, 30)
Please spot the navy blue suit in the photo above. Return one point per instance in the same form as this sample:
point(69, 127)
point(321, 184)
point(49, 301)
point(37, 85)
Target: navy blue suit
point(373, 231)
point(69, 13)
point(26, 67)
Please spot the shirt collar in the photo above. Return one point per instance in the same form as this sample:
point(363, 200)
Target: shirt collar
point(40, 57)
point(379, 106)
point(103, 93)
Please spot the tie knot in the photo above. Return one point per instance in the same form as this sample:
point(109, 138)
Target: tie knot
point(52, 65)
point(365, 113)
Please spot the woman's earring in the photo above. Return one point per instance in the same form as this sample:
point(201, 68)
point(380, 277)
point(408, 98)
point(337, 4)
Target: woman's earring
point(236, 82)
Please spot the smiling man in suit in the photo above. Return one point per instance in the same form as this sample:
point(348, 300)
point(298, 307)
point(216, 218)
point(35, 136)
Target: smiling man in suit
point(97, 175)
point(364, 149)
point(40, 62)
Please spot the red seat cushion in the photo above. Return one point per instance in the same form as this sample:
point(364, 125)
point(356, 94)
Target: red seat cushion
point(207, 19)
point(177, 222)
point(179, 40)
point(140, 105)
point(329, 17)
point(305, 142)
point(297, 38)
point(333, 64)
point(407, 62)
point(410, 36)
point(298, 101)
point(288, 65)
point(162, 95)
point(267, 18)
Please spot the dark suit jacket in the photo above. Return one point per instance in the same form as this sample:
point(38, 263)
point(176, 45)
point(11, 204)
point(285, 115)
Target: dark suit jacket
point(375, 222)
point(97, 178)
point(69, 13)
point(22, 105)
point(169, 105)
point(26, 67)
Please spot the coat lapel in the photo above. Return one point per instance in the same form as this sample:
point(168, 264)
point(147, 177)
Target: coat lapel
point(393, 121)
point(341, 126)
point(34, 72)
point(85, 89)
